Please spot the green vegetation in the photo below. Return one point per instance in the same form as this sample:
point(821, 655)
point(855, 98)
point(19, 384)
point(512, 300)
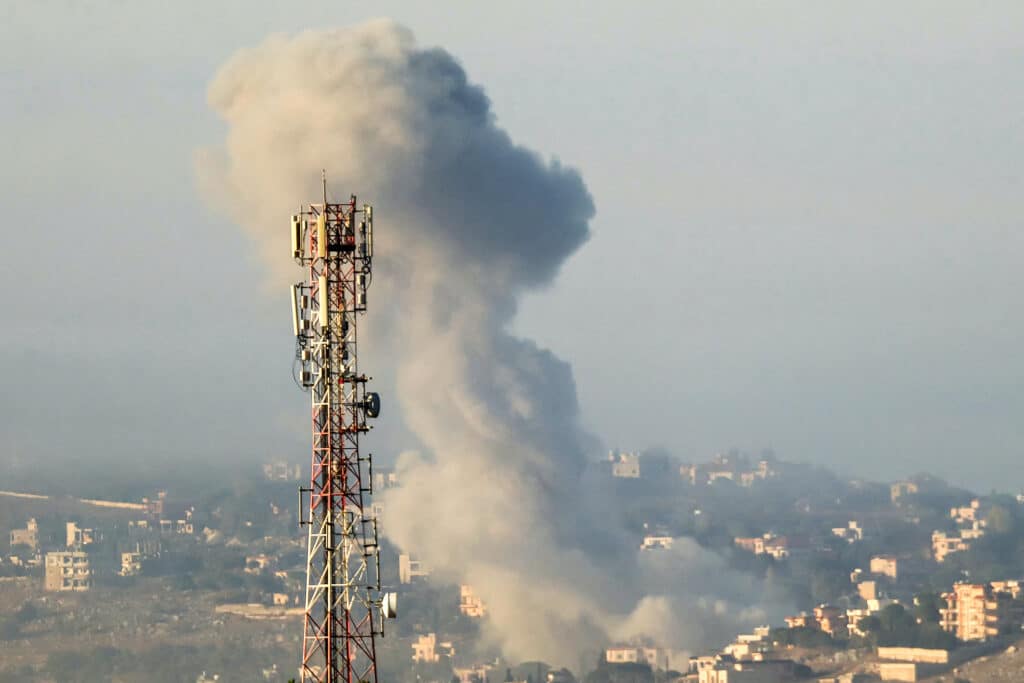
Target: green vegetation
point(895, 626)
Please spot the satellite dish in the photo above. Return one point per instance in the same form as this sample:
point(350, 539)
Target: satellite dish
point(372, 404)
point(389, 606)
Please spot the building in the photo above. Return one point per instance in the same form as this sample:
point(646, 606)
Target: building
point(851, 533)
point(29, 536)
point(867, 590)
point(750, 646)
point(131, 564)
point(971, 522)
point(777, 547)
point(258, 564)
point(767, 671)
point(655, 657)
point(656, 542)
point(825, 618)
point(77, 537)
point(781, 547)
point(885, 565)
point(469, 604)
point(625, 465)
point(731, 466)
point(410, 569)
point(968, 515)
point(980, 611)
point(854, 616)
point(281, 470)
point(900, 489)
point(1013, 587)
point(473, 674)
point(944, 545)
point(426, 649)
point(752, 544)
point(831, 620)
point(384, 478)
point(802, 620)
point(67, 570)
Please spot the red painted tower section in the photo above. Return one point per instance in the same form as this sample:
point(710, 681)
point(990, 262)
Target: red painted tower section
point(344, 606)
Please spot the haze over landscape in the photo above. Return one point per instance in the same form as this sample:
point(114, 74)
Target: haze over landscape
point(814, 254)
point(767, 256)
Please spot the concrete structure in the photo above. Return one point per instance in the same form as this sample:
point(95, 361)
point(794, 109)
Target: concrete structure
point(802, 620)
point(734, 467)
point(825, 618)
point(478, 673)
point(851, 533)
point(427, 649)
point(867, 590)
point(750, 646)
point(258, 564)
point(67, 570)
point(131, 564)
point(1012, 587)
point(777, 547)
point(968, 515)
point(77, 537)
point(911, 663)
point(29, 536)
point(625, 465)
point(831, 620)
point(900, 671)
point(971, 522)
point(469, 604)
point(768, 671)
point(885, 565)
point(655, 657)
point(656, 542)
point(921, 655)
point(944, 545)
point(901, 489)
point(409, 569)
point(976, 612)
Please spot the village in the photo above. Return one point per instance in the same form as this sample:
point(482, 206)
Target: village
point(892, 581)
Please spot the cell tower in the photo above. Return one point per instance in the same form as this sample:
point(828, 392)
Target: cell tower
point(345, 607)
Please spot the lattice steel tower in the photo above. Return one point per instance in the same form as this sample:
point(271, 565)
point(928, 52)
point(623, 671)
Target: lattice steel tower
point(345, 608)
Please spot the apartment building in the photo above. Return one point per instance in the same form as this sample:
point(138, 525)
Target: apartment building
point(67, 570)
point(470, 604)
point(77, 537)
point(980, 611)
point(29, 536)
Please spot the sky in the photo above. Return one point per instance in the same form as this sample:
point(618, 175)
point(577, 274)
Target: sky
point(807, 232)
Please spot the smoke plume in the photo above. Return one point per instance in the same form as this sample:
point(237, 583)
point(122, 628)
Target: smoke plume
point(467, 221)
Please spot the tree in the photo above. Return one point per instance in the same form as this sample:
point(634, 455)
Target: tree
point(927, 606)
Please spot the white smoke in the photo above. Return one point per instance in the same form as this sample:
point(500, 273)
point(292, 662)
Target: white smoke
point(467, 221)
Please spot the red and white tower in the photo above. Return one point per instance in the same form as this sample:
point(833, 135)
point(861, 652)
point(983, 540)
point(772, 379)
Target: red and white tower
point(345, 608)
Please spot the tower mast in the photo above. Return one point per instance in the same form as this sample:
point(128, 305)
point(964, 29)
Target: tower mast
point(344, 606)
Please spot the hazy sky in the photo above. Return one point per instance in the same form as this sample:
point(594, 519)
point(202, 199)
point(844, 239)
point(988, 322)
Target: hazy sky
point(808, 230)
